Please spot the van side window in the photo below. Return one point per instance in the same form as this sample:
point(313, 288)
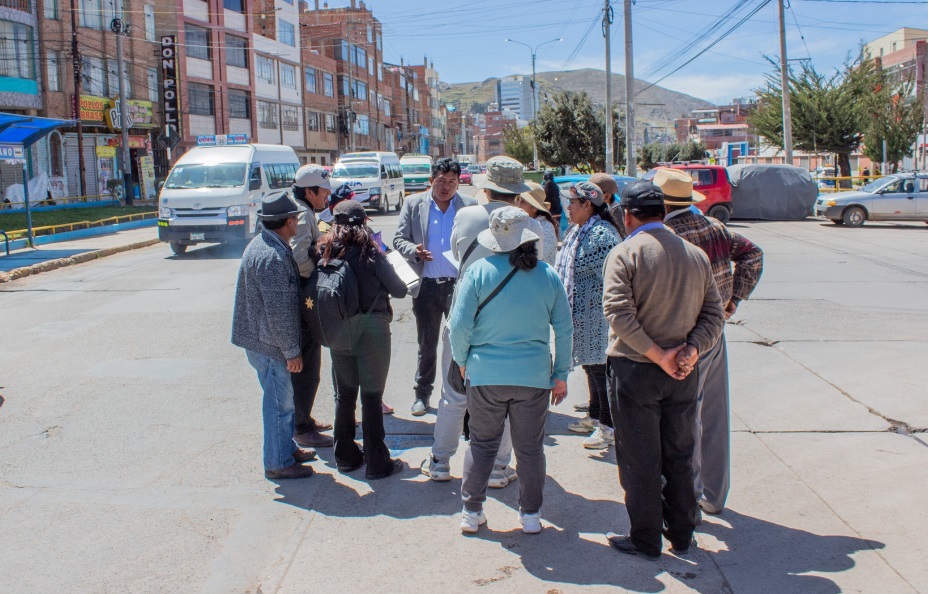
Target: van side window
point(702, 177)
point(280, 175)
point(255, 174)
point(397, 171)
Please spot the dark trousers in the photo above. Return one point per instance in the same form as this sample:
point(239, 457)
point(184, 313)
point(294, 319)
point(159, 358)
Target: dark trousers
point(433, 302)
point(654, 416)
point(306, 384)
point(363, 369)
point(599, 399)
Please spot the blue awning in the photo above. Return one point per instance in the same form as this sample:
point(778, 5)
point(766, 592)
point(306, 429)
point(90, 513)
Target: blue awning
point(27, 130)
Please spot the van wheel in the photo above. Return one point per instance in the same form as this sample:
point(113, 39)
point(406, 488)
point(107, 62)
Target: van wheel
point(720, 213)
point(384, 207)
point(178, 248)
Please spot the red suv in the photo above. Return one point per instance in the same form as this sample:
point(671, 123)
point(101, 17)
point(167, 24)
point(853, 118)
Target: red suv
point(711, 180)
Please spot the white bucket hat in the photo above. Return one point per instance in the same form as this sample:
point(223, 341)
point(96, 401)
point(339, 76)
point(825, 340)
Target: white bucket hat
point(509, 228)
point(504, 174)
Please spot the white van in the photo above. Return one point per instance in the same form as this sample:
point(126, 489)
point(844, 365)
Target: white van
point(213, 192)
point(376, 178)
point(417, 171)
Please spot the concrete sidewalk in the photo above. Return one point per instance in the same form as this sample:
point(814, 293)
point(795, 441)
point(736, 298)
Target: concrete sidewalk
point(28, 261)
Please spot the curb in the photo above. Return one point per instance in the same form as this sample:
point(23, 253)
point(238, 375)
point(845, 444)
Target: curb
point(17, 273)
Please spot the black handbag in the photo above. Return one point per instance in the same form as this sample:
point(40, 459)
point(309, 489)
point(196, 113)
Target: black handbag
point(454, 378)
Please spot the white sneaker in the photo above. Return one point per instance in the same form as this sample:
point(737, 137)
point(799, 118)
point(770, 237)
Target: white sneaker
point(602, 438)
point(531, 523)
point(435, 470)
point(472, 521)
point(501, 476)
point(584, 425)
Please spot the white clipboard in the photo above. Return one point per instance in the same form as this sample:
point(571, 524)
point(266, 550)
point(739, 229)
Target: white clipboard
point(403, 269)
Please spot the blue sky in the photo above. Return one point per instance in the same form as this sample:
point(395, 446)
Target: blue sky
point(466, 38)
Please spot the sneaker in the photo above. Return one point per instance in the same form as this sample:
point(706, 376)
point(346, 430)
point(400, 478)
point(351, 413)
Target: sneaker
point(584, 425)
point(501, 476)
point(472, 521)
point(602, 438)
point(435, 470)
point(531, 523)
point(419, 407)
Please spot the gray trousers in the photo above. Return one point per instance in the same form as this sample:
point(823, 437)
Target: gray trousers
point(712, 455)
point(449, 422)
point(527, 409)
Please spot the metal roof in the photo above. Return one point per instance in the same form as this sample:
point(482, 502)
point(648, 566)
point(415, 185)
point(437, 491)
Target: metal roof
point(27, 130)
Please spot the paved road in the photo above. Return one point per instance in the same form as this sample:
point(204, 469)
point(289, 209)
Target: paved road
point(130, 434)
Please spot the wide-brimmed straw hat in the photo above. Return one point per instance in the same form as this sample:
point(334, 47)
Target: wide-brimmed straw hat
point(535, 196)
point(509, 228)
point(504, 174)
point(677, 186)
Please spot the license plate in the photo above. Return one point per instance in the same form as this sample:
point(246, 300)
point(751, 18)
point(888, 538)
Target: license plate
point(197, 236)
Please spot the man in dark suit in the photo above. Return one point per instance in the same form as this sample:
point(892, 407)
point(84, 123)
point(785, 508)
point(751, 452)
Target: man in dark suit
point(423, 235)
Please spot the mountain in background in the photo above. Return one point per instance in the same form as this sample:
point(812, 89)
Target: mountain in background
point(656, 106)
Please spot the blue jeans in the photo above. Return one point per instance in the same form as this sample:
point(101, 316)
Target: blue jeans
point(277, 409)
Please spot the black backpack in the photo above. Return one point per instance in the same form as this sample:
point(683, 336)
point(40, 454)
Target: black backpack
point(330, 298)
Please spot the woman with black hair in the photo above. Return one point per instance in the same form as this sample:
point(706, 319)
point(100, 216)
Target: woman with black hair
point(505, 358)
point(363, 367)
point(553, 198)
point(591, 237)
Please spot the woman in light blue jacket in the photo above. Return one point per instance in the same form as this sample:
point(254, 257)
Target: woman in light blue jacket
point(505, 356)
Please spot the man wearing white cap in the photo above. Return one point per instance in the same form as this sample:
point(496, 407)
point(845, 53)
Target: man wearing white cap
point(736, 267)
point(502, 186)
point(311, 188)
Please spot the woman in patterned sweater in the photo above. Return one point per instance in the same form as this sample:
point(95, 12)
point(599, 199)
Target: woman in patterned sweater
point(592, 236)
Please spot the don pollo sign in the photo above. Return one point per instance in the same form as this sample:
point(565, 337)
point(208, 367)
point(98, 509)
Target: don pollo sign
point(169, 93)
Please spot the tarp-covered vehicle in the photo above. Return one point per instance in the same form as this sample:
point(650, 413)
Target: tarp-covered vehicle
point(771, 192)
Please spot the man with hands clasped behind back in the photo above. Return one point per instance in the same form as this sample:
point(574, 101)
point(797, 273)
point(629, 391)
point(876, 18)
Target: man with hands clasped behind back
point(663, 309)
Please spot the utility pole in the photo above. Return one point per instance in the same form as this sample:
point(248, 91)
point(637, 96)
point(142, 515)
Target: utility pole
point(121, 31)
point(631, 164)
point(76, 98)
point(607, 21)
point(784, 84)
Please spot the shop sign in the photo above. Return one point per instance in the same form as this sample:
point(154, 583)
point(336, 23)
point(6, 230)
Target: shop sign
point(147, 177)
point(135, 142)
point(12, 153)
point(140, 114)
point(106, 151)
point(222, 139)
point(169, 93)
point(93, 109)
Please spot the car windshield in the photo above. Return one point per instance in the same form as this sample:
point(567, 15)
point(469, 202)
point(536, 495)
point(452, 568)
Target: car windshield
point(473, 168)
point(206, 175)
point(416, 168)
point(356, 170)
point(878, 184)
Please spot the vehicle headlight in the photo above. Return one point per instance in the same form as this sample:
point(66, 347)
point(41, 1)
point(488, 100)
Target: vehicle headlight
point(165, 212)
point(239, 210)
point(831, 203)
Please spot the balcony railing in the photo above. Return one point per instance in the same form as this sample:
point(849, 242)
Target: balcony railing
point(21, 5)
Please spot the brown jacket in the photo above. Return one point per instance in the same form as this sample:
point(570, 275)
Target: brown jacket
point(659, 289)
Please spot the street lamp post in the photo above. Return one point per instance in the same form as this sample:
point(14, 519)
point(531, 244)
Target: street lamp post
point(534, 51)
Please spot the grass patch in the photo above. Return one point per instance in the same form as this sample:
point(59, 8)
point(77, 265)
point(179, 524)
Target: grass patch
point(67, 216)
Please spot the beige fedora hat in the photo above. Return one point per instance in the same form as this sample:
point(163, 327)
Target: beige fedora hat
point(535, 196)
point(677, 186)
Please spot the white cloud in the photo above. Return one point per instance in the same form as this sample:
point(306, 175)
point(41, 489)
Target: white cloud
point(719, 89)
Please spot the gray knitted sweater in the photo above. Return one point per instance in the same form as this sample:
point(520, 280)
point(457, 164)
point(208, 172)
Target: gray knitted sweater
point(266, 317)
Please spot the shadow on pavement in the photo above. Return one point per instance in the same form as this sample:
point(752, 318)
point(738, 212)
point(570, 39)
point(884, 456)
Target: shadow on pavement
point(23, 258)
point(780, 558)
point(219, 251)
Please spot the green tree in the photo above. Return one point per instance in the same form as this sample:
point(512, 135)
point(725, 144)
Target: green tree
point(568, 131)
point(655, 153)
point(826, 110)
point(618, 140)
point(517, 143)
point(894, 113)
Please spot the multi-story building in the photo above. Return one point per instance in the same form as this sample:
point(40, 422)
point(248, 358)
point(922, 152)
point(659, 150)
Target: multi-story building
point(515, 94)
point(903, 54)
point(353, 39)
point(20, 75)
point(238, 69)
point(411, 136)
point(489, 133)
point(716, 126)
point(434, 113)
point(320, 103)
point(85, 87)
